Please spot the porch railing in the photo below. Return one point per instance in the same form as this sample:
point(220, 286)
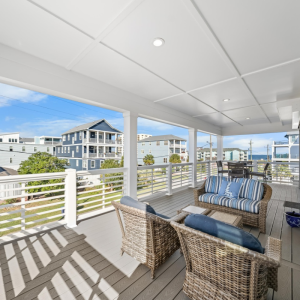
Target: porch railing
point(30, 200)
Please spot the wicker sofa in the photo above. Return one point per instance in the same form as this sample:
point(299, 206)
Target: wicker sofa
point(218, 269)
point(249, 218)
point(148, 238)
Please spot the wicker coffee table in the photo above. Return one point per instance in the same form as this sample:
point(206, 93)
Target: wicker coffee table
point(231, 219)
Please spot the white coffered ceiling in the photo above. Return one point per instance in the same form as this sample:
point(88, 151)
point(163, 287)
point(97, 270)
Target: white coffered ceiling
point(245, 51)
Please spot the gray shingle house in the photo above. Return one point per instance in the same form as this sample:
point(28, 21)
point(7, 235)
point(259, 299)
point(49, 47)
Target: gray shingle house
point(88, 145)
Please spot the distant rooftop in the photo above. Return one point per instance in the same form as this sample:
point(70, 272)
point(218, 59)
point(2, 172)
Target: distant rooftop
point(7, 171)
point(26, 140)
point(167, 137)
point(8, 133)
point(90, 125)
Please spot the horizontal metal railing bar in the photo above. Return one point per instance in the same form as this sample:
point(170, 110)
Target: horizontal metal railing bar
point(102, 199)
point(32, 187)
point(10, 227)
point(44, 219)
point(11, 220)
point(96, 190)
point(43, 213)
point(93, 196)
point(101, 171)
point(110, 177)
point(31, 201)
point(11, 212)
point(45, 205)
point(153, 167)
point(31, 177)
point(150, 184)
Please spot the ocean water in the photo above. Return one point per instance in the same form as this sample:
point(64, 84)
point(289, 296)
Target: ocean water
point(259, 157)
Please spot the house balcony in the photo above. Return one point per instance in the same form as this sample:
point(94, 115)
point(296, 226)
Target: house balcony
point(85, 260)
point(279, 143)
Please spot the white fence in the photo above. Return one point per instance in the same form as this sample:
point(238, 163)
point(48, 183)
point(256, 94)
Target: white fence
point(30, 200)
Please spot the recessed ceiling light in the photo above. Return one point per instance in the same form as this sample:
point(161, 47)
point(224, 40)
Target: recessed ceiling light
point(158, 42)
point(247, 118)
point(226, 100)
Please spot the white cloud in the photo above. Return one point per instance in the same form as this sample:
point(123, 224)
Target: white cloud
point(12, 92)
point(154, 125)
point(9, 119)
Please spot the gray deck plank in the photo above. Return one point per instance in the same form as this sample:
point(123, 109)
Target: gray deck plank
point(98, 241)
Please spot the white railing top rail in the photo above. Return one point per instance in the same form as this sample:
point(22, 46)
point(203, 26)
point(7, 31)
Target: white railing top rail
point(31, 177)
point(152, 167)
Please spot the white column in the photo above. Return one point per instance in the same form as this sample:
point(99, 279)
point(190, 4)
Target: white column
point(193, 154)
point(70, 198)
point(97, 137)
point(130, 152)
point(219, 147)
point(104, 137)
point(88, 136)
point(169, 179)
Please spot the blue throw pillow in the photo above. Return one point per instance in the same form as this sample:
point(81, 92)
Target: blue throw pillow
point(126, 200)
point(230, 189)
point(213, 183)
point(224, 231)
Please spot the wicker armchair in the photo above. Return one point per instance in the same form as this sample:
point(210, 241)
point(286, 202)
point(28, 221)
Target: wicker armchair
point(217, 269)
point(148, 238)
point(251, 219)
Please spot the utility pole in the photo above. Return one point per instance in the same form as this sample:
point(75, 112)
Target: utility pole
point(251, 143)
point(268, 146)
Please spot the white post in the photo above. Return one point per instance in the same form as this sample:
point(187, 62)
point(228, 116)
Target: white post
point(104, 137)
point(70, 198)
point(87, 136)
point(23, 208)
point(169, 179)
point(193, 154)
point(219, 147)
point(130, 152)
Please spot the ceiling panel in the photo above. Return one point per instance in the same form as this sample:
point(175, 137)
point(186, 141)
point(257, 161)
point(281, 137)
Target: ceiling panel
point(233, 90)
point(91, 16)
point(256, 34)
point(218, 119)
point(271, 111)
point(276, 84)
point(106, 65)
point(240, 115)
point(186, 59)
point(28, 28)
point(187, 104)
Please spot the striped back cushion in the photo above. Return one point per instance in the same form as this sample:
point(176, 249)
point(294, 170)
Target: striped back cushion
point(251, 189)
point(213, 184)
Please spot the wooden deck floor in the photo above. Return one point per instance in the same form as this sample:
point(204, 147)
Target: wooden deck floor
point(85, 262)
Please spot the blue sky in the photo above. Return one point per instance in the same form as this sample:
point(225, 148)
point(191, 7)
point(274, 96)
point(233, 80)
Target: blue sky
point(37, 114)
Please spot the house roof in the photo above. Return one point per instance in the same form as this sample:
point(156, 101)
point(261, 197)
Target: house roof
point(26, 140)
point(89, 125)
point(224, 149)
point(7, 171)
point(8, 133)
point(166, 137)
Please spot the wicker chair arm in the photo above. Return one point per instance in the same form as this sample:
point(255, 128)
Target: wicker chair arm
point(273, 249)
point(178, 218)
point(198, 192)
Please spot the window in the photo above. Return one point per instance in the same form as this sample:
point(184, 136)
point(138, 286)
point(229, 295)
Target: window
point(77, 162)
point(15, 140)
point(64, 137)
point(80, 135)
point(142, 151)
point(92, 164)
point(149, 144)
point(68, 149)
point(165, 160)
point(150, 151)
point(35, 149)
point(1, 140)
point(73, 140)
point(47, 149)
point(58, 149)
point(84, 164)
point(68, 137)
point(75, 136)
point(72, 153)
point(10, 160)
point(9, 140)
point(11, 148)
point(166, 142)
point(23, 148)
point(77, 149)
point(158, 143)
point(65, 149)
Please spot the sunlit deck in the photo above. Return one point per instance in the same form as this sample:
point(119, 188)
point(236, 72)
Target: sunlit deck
point(85, 262)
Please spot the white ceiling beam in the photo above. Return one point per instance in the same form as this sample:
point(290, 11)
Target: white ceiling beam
point(203, 24)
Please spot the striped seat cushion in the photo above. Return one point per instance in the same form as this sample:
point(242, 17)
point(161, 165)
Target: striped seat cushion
point(213, 184)
point(243, 204)
point(251, 189)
